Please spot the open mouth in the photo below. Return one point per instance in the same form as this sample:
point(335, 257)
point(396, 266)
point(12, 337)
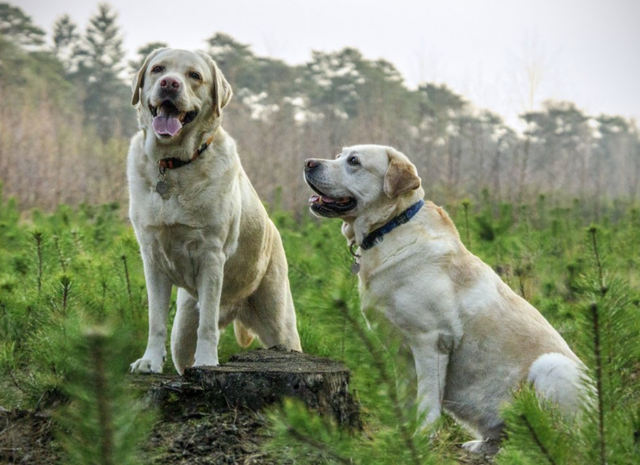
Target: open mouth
point(168, 119)
point(325, 205)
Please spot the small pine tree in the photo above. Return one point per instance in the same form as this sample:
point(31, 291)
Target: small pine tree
point(607, 431)
point(393, 434)
point(103, 423)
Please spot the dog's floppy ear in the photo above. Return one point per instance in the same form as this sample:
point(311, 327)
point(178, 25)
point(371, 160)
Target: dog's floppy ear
point(401, 175)
point(138, 79)
point(347, 231)
point(220, 89)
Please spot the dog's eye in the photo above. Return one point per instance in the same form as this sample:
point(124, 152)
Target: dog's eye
point(353, 161)
point(196, 76)
point(157, 69)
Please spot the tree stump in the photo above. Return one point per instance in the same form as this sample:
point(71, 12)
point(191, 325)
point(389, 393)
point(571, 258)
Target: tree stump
point(256, 379)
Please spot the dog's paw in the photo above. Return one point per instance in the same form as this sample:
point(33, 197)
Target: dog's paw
point(482, 447)
point(146, 365)
point(206, 354)
point(207, 361)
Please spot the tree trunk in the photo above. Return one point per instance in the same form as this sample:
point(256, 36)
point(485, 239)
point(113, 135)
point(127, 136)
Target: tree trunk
point(256, 379)
point(523, 169)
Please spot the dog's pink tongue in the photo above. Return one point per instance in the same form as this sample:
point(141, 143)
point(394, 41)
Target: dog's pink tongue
point(166, 124)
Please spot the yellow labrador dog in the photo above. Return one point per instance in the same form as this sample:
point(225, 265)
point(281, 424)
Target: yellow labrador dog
point(472, 338)
point(198, 220)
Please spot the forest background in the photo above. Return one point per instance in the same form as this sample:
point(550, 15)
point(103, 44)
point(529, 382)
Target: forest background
point(552, 206)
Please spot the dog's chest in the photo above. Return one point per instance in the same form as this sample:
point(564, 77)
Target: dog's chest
point(196, 203)
point(178, 233)
point(156, 212)
point(179, 251)
point(407, 285)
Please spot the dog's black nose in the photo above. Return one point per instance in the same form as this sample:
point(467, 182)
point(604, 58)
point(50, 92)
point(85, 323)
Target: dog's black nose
point(310, 164)
point(169, 84)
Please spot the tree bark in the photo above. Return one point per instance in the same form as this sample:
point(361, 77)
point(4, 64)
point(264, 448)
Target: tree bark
point(259, 378)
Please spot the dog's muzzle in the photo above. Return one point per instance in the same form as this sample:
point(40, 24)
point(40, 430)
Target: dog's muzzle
point(323, 204)
point(168, 115)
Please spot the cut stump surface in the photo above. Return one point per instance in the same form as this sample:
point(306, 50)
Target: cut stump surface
point(256, 379)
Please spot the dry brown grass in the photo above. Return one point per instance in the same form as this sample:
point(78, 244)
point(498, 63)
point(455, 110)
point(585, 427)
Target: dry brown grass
point(48, 157)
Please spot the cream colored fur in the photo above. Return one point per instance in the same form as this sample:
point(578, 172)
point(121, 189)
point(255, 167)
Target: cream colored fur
point(474, 341)
point(209, 235)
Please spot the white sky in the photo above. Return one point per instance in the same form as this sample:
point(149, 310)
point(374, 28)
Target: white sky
point(586, 51)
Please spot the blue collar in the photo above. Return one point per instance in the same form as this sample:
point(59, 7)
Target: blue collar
point(376, 236)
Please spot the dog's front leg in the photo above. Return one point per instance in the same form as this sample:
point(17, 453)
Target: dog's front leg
point(209, 282)
point(159, 295)
point(431, 360)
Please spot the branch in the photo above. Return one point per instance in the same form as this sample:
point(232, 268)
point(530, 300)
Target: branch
point(317, 445)
point(536, 439)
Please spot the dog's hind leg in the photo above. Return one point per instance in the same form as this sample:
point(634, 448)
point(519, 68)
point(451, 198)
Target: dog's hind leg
point(487, 446)
point(489, 438)
point(271, 315)
point(243, 335)
point(184, 334)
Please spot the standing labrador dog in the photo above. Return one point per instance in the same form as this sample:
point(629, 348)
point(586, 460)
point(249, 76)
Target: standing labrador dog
point(198, 220)
point(473, 340)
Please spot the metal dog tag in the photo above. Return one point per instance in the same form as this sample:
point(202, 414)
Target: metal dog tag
point(355, 268)
point(162, 187)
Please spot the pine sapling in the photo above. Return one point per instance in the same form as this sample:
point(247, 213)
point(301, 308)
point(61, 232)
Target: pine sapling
point(37, 237)
point(536, 439)
point(103, 284)
point(61, 259)
point(599, 385)
point(65, 288)
point(103, 424)
point(318, 445)
point(536, 429)
point(315, 436)
point(593, 231)
point(595, 320)
point(387, 378)
point(128, 280)
point(465, 204)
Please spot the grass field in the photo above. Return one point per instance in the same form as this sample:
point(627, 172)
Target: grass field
point(64, 272)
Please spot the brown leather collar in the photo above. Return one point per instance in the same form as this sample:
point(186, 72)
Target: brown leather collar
point(173, 163)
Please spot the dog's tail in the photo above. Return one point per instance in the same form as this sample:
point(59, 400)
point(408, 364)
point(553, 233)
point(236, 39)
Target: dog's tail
point(561, 380)
point(243, 335)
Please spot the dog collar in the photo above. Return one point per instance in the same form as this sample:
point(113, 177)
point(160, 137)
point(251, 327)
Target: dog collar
point(173, 163)
point(376, 236)
point(371, 239)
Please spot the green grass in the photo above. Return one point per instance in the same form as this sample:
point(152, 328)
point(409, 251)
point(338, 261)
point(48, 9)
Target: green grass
point(80, 268)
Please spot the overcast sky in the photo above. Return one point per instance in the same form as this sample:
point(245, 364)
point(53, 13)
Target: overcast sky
point(586, 51)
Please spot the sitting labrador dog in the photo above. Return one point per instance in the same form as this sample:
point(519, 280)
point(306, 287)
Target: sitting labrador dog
point(198, 220)
point(473, 340)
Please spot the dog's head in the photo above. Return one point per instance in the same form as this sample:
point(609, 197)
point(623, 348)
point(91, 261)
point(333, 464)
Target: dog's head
point(363, 179)
point(176, 89)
